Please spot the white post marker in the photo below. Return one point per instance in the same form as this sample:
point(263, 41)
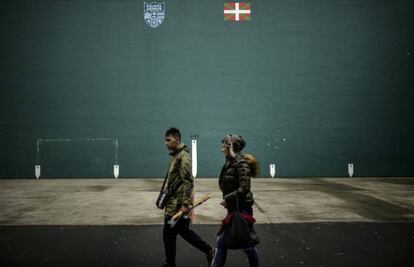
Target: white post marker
point(194, 157)
point(351, 169)
point(116, 171)
point(272, 170)
point(37, 171)
point(116, 165)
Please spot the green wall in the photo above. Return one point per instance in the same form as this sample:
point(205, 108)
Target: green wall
point(311, 85)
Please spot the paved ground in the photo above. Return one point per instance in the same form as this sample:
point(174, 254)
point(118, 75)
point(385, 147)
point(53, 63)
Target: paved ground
point(131, 201)
point(301, 222)
point(297, 244)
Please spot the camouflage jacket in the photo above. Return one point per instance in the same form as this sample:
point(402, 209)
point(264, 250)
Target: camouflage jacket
point(180, 180)
point(234, 182)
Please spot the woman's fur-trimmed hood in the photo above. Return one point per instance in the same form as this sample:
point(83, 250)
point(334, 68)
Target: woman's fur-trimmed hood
point(253, 163)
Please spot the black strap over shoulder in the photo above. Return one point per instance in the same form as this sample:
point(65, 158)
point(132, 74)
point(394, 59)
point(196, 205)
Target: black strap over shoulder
point(165, 181)
point(176, 185)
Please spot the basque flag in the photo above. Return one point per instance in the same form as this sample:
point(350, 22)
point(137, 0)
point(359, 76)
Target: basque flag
point(237, 11)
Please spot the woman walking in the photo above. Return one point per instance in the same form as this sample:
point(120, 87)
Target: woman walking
point(234, 182)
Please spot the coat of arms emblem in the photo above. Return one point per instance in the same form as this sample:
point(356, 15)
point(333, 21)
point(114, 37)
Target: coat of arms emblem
point(154, 13)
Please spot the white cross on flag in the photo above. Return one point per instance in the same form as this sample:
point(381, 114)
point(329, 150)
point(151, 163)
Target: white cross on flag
point(237, 11)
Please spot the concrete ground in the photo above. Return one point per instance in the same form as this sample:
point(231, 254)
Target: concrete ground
point(131, 201)
point(302, 222)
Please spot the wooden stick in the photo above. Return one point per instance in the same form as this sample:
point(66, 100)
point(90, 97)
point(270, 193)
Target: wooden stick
point(178, 215)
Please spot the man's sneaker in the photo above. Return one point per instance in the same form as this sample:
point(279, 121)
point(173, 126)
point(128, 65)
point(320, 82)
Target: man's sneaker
point(210, 257)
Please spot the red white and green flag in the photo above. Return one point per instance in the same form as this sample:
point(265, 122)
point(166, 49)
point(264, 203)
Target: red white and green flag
point(237, 11)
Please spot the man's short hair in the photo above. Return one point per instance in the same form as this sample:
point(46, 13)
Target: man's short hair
point(174, 132)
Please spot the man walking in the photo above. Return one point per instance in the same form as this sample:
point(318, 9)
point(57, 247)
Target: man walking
point(180, 184)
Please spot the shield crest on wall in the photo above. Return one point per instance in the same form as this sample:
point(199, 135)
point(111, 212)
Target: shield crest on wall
point(154, 13)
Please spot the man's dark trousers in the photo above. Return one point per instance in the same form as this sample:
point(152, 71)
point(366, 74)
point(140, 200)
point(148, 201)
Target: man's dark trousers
point(182, 228)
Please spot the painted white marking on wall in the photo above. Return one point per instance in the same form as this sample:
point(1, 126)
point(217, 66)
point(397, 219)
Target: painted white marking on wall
point(351, 169)
point(116, 171)
point(41, 140)
point(194, 157)
point(37, 171)
point(272, 170)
